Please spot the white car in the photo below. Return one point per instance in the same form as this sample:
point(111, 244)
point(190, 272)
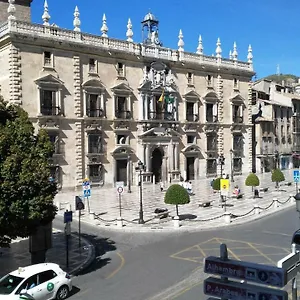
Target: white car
point(37, 282)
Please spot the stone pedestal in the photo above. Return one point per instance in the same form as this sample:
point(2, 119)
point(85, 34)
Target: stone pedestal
point(119, 222)
point(176, 222)
point(227, 218)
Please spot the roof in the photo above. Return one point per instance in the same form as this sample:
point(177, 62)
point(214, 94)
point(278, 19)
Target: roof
point(31, 270)
point(150, 17)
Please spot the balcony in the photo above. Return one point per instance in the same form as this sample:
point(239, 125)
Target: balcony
point(153, 115)
point(192, 117)
point(50, 111)
point(95, 113)
point(211, 119)
point(123, 114)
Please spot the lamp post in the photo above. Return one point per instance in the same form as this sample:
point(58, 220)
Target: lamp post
point(231, 165)
point(276, 155)
point(221, 163)
point(141, 167)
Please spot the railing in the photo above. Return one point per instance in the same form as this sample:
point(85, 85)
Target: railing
point(38, 30)
point(123, 114)
point(153, 115)
point(211, 119)
point(95, 149)
point(50, 110)
point(237, 120)
point(192, 117)
point(95, 113)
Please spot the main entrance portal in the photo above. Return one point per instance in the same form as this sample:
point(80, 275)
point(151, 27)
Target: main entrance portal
point(156, 164)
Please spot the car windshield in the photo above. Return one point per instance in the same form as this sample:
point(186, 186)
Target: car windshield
point(8, 284)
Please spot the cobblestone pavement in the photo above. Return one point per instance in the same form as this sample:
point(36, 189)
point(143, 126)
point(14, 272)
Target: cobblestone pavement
point(18, 256)
point(104, 204)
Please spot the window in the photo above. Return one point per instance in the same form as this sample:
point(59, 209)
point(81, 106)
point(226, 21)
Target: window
point(92, 66)
point(94, 108)
point(8, 283)
point(121, 69)
point(235, 83)
point(95, 172)
point(48, 61)
point(54, 174)
point(28, 284)
point(238, 146)
point(211, 166)
point(95, 143)
point(209, 80)
point(211, 112)
point(237, 113)
point(211, 142)
point(54, 139)
point(191, 139)
point(237, 164)
point(122, 139)
point(48, 103)
point(190, 116)
point(122, 112)
point(46, 276)
point(190, 78)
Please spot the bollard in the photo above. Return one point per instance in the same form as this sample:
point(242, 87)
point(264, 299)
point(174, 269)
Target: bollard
point(176, 222)
point(256, 210)
point(92, 216)
point(227, 218)
point(77, 213)
point(275, 203)
point(292, 198)
point(119, 222)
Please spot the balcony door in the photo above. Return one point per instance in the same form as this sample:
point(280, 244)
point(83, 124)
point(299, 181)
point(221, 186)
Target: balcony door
point(190, 168)
point(122, 170)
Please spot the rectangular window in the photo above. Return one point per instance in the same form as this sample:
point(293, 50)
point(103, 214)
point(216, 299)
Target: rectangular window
point(54, 173)
point(190, 78)
point(48, 103)
point(122, 139)
point(92, 66)
point(191, 139)
point(94, 108)
point(209, 80)
point(121, 69)
point(212, 142)
point(237, 164)
point(237, 113)
point(238, 145)
point(54, 140)
point(211, 112)
point(211, 166)
point(95, 143)
point(122, 112)
point(95, 172)
point(235, 84)
point(48, 59)
point(190, 116)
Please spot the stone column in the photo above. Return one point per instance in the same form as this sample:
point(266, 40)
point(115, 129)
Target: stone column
point(147, 158)
point(114, 106)
point(176, 154)
point(39, 101)
point(184, 170)
point(146, 106)
point(102, 104)
point(129, 103)
point(141, 103)
point(85, 98)
point(176, 109)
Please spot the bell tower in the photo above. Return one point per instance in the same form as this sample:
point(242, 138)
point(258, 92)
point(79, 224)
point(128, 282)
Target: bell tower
point(23, 11)
point(150, 30)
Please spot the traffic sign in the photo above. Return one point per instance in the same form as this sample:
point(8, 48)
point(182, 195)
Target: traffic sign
point(79, 205)
point(224, 185)
point(86, 187)
point(68, 216)
point(120, 190)
point(291, 265)
point(120, 187)
point(242, 270)
point(236, 290)
point(296, 176)
point(86, 193)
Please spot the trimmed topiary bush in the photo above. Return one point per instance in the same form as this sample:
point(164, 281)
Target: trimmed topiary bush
point(177, 195)
point(252, 180)
point(277, 176)
point(217, 184)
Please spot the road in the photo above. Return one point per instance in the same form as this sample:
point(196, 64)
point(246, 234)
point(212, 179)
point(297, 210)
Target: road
point(156, 266)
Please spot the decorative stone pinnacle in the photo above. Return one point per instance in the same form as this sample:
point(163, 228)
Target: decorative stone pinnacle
point(129, 32)
point(218, 49)
point(250, 55)
point(76, 21)
point(234, 52)
point(180, 41)
point(200, 46)
point(11, 10)
point(104, 28)
point(46, 17)
point(230, 54)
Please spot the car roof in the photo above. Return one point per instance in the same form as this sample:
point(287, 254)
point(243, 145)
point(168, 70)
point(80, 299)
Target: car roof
point(34, 269)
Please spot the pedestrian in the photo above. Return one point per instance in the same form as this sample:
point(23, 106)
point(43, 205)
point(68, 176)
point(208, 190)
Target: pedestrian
point(185, 184)
point(190, 188)
point(161, 184)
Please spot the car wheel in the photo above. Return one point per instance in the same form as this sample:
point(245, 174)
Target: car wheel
point(62, 293)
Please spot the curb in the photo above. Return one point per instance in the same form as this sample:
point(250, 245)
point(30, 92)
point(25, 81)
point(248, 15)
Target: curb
point(88, 261)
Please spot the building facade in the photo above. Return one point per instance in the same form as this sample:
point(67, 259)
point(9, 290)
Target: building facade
point(108, 103)
point(276, 125)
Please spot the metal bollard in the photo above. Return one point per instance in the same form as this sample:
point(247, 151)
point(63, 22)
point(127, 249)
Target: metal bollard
point(176, 222)
point(119, 222)
point(227, 217)
point(275, 203)
point(256, 210)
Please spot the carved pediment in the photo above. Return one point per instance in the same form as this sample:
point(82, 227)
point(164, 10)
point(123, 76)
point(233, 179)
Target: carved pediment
point(94, 159)
point(191, 148)
point(211, 96)
point(120, 126)
point(93, 126)
point(191, 94)
point(48, 124)
point(145, 86)
point(160, 132)
point(210, 127)
point(236, 128)
point(93, 84)
point(237, 98)
point(191, 127)
point(122, 150)
point(121, 88)
point(49, 79)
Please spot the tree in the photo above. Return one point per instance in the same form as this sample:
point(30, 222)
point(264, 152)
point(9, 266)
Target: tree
point(252, 180)
point(177, 194)
point(26, 193)
point(277, 176)
point(217, 184)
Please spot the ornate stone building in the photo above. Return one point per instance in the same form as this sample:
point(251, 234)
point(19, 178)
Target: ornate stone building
point(109, 103)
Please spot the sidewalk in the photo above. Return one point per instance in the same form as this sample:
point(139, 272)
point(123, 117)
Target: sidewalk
point(104, 205)
point(18, 255)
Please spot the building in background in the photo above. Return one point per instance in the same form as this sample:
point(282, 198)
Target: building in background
point(109, 103)
point(276, 109)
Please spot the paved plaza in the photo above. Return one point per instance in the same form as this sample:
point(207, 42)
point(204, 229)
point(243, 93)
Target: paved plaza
point(104, 205)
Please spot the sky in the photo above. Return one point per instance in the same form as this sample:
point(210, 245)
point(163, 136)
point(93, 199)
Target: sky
point(271, 26)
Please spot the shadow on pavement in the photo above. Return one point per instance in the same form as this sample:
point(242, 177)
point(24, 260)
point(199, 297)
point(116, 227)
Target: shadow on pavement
point(74, 291)
point(102, 246)
point(187, 217)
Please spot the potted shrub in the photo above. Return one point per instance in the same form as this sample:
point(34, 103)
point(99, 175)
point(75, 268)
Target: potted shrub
point(253, 181)
point(277, 176)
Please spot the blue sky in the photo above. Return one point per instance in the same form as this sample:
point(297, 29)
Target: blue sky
point(270, 26)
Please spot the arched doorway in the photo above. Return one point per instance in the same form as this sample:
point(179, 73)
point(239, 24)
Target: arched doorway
point(156, 163)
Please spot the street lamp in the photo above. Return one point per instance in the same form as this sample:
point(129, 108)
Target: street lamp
point(231, 165)
point(221, 163)
point(276, 155)
point(141, 167)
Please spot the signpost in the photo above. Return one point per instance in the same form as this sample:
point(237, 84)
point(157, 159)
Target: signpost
point(86, 187)
point(296, 178)
point(68, 217)
point(247, 271)
point(224, 189)
point(79, 205)
point(120, 191)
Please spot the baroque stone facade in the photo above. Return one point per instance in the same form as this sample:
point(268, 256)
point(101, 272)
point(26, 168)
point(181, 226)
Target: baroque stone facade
point(109, 103)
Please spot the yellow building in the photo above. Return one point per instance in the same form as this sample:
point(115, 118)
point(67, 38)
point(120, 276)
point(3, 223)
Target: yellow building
point(109, 103)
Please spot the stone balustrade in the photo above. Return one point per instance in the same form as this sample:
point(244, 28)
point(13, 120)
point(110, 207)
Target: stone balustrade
point(37, 30)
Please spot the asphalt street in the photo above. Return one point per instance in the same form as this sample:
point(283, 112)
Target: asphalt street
point(136, 266)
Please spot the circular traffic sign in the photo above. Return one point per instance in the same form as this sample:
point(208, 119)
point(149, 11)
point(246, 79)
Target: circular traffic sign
point(120, 190)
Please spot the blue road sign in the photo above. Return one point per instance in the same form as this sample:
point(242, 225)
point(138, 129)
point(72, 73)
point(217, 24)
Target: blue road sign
point(86, 187)
point(296, 176)
point(87, 193)
point(68, 216)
